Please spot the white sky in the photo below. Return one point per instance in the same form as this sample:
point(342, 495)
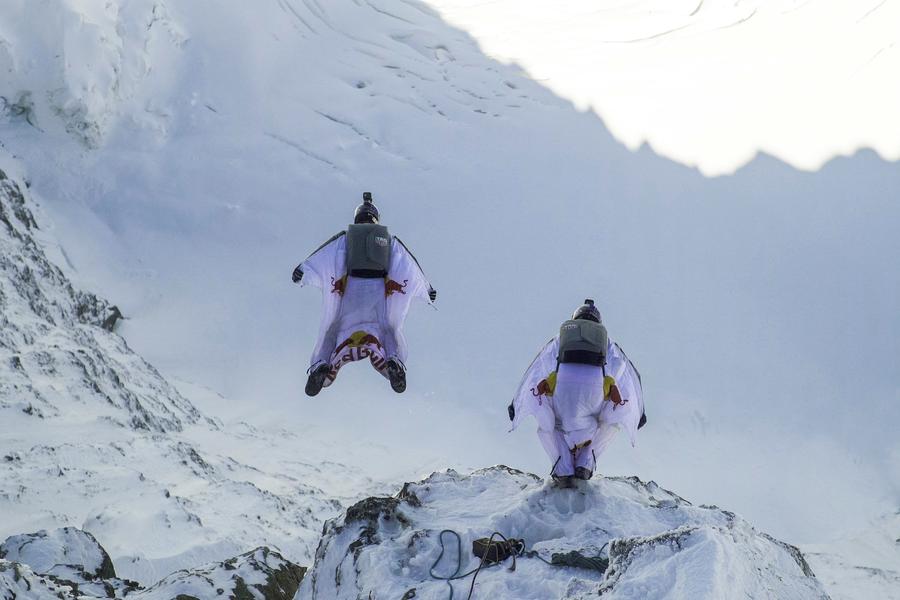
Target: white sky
point(711, 82)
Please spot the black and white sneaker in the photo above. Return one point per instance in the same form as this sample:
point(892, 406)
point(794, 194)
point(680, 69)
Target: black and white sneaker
point(397, 375)
point(317, 379)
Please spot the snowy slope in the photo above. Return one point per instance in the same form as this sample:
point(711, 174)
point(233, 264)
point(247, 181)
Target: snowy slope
point(659, 545)
point(94, 437)
point(69, 65)
point(58, 358)
point(863, 565)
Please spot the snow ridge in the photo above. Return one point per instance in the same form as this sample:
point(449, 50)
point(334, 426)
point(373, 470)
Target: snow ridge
point(659, 544)
point(58, 355)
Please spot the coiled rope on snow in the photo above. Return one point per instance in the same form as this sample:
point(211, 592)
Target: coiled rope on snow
point(565, 559)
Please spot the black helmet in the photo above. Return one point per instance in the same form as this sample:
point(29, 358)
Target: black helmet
point(587, 311)
point(366, 212)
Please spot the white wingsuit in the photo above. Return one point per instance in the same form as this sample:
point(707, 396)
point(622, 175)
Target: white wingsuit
point(362, 318)
point(576, 417)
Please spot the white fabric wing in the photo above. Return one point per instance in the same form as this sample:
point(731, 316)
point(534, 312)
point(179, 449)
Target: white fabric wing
point(411, 284)
point(410, 279)
point(628, 415)
point(322, 269)
point(405, 269)
point(527, 401)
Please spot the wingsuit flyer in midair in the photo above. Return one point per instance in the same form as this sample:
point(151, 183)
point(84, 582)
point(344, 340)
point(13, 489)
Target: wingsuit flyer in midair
point(368, 280)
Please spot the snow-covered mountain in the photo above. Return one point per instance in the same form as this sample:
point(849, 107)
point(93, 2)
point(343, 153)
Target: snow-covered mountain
point(71, 564)
point(59, 358)
point(616, 537)
point(94, 437)
point(658, 545)
point(186, 155)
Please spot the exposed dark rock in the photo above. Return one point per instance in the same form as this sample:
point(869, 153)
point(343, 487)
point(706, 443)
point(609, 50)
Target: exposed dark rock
point(794, 551)
point(282, 583)
point(69, 563)
point(68, 547)
point(234, 578)
point(69, 558)
point(18, 108)
point(508, 470)
point(407, 495)
point(241, 592)
point(621, 552)
point(114, 316)
point(371, 509)
point(19, 581)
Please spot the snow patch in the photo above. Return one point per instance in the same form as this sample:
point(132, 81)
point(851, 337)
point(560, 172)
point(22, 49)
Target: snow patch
point(70, 64)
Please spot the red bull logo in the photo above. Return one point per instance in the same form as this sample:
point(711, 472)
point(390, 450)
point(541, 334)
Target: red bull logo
point(359, 346)
point(542, 389)
point(545, 387)
point(392, 287)
point(338, 287)
point(615, 397)
point(359, 339)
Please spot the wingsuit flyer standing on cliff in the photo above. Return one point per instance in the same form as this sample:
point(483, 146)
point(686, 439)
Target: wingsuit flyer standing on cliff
point(368, 280)
point(581, 388)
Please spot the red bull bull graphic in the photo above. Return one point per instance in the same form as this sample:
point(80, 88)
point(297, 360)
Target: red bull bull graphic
point(542, 389)
point(615, 397)
point(545, 388)
point(338, 287)
point(393, 287)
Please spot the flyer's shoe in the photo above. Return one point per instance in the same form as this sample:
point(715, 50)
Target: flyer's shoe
point(317, 379)
point(397, 375)
point(583, 473)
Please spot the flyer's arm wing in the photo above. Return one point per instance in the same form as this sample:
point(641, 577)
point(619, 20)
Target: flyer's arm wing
point(525, 402)
point(320, 266)
point(405, 267)
point(628, 380)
